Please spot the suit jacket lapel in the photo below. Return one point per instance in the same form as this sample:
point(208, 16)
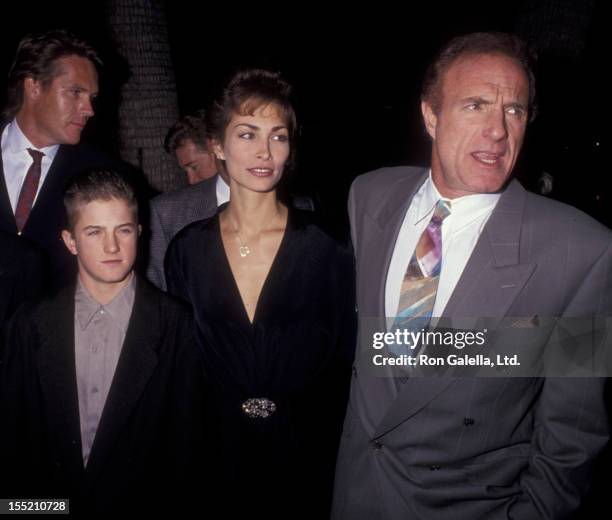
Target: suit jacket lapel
point(489, 284)
point(385, 226)
point(203, 203)
point(7, 217)
point(137, 363)
point(56, 363)
point(380, 227)
point(208, 199)
point(494, 275)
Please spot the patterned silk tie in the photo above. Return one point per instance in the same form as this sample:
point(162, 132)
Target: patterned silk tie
point(420, 284)
point(28, 190)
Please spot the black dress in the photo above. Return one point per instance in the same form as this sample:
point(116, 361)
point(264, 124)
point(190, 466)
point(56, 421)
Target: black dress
point(297, 353)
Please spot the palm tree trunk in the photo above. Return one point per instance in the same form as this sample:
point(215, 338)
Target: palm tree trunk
point(149, 103)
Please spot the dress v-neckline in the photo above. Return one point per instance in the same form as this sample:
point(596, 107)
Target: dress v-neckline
point(267, 280)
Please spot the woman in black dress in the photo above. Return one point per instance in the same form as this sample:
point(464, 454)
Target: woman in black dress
point(273, 297)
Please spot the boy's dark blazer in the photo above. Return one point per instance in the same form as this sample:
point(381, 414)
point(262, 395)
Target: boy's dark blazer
point(149, 430)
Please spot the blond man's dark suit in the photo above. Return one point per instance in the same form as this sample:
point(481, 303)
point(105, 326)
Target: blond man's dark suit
point(20, 274)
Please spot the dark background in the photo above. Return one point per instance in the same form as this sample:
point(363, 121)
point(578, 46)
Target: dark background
point(357, 75)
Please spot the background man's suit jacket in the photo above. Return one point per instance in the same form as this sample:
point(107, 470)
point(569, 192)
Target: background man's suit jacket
point(477, 448)
point(46, 220)
point(169, 213)
point(20, 274)
point(149, 432)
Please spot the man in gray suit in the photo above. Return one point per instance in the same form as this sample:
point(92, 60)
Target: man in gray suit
point(170, 212)
point(478, 245)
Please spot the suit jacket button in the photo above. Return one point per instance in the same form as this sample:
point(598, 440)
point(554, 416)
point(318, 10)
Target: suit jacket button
point(354, 371)
point(434, 467)
point(377, 445)
point(468, 421)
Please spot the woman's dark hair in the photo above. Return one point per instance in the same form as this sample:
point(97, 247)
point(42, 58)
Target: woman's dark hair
point(36, 57)
point(246, 91)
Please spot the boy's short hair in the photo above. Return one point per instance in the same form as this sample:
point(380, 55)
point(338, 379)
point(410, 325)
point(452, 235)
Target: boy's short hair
point(91, 185)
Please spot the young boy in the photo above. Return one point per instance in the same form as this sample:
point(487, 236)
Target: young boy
point(101, 384)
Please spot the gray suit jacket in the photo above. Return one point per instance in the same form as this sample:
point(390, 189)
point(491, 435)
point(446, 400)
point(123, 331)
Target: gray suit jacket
point(466, 447)
point(169, 213)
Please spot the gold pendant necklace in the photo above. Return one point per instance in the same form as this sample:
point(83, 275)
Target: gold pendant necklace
point(243, 249)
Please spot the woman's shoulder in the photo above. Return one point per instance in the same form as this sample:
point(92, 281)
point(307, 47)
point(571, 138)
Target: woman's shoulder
point(320, 233)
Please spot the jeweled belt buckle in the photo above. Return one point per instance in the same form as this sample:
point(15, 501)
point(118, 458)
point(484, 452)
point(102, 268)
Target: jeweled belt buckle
point(258, 407)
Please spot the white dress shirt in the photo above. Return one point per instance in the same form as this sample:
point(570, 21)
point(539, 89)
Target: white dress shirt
point(460, 232)
point(223, 191)
point(16, 161)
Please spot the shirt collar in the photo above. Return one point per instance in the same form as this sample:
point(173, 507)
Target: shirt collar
point(464, 209)
point(428, 197)
point(17, 142)
point(119, 308)
point(222, 190)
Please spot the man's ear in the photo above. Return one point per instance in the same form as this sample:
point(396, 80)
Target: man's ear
point(31, 88)
point(69, 241)
point(139, 230)
point(218, 150)
point(430, 119)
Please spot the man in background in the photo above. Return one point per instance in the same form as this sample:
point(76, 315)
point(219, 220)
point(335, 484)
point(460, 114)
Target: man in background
point(52, 85)
point(170, 212)
point(186, 141)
